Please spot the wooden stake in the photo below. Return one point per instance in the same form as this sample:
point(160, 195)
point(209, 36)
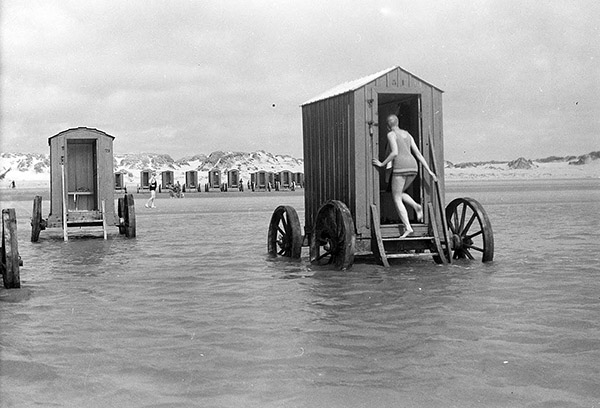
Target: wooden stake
point(10, 250)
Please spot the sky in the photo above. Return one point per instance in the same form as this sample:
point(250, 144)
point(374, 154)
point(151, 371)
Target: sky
point(182, 77)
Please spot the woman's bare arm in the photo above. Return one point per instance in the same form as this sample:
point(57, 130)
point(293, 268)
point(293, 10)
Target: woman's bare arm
point(393, 151)
point(420, 157)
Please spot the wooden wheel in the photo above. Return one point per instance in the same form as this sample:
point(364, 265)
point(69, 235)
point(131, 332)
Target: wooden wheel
point(333, 241)
point(471, 233)
point(130, 230)
point(285, 236)
point(37, 223)
point(10, 250)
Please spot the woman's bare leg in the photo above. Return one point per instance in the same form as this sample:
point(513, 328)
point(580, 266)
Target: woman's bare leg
point(398, 183)
point(410, 201)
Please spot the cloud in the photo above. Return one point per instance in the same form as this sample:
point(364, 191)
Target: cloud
point(179, 76)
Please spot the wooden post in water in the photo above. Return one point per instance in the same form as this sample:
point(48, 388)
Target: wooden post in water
point(10, 250)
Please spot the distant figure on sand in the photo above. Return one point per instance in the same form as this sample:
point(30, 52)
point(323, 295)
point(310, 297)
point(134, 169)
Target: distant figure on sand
point(404, 170)
point(152, 185)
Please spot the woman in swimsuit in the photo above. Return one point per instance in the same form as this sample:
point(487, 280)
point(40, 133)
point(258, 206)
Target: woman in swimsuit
point(152, 186)
point(404, 170)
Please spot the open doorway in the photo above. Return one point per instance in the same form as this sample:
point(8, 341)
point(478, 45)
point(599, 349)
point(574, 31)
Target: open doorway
point(407, 108)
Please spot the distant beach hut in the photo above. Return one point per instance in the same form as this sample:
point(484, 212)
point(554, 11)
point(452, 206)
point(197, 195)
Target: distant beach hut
point(233, 178)
point(261, 180)
point(299, 179)
point(145, 176)
point(285, 178)
point(167, 179)
point(120, 182)
point(191, 180)
point(214, 178)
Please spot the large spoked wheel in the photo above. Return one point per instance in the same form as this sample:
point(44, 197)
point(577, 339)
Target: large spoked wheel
point(130, 228)
point(334, 240)
point(471, 233)
point(37, 223)
point(284, 237)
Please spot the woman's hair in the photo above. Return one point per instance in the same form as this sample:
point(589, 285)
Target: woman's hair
point(392, 120)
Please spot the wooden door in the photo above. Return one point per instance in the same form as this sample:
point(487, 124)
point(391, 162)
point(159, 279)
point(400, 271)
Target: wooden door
point(81, 175)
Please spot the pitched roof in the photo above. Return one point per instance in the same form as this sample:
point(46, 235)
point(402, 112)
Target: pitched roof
point(356, 84)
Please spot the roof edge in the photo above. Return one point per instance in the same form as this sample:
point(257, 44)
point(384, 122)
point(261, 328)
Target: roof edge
point(352, 86)
point(81, 128)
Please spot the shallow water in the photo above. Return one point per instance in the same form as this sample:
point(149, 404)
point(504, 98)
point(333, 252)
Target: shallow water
point(193, 313)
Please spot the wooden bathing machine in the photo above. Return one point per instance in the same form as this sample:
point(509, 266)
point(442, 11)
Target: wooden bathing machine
point(167, 179)
point(285, 178)
point(120, 181)
point(145, 176)
point(345, 128)
point(191, 180)
point(87, 157)
point(233, 178)
point(348, 203)
point(82, 185)
point(299, 179)
point(264, 180)
point(214, 178)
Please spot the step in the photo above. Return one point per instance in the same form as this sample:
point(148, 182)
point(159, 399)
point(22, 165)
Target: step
point(409, 238)
point(412, 255)
point(395, 230)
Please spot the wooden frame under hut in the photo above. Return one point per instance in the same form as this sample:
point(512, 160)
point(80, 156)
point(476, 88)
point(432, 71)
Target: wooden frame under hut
point(82, 185)
point(348, 204)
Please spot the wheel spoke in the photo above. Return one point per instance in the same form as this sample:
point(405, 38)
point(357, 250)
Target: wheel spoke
point(283, 221)
point(473, 218)
point(281, 252)
point(280, 230)
point(474, 247)
point(474, 235)
point(456, 225)
point(468, 254)
point(462, 219)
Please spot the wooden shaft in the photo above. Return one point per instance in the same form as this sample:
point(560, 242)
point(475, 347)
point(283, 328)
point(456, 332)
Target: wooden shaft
point(64, 203)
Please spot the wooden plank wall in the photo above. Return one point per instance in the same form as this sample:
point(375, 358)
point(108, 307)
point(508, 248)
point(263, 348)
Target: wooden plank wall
point(328, 154)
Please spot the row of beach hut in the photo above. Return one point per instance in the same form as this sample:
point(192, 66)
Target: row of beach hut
point(261, 180)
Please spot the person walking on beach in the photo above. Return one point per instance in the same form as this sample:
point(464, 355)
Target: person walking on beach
point(404, 170)
point(152, 185)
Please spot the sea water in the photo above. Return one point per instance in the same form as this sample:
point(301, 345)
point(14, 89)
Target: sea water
point(193, 313)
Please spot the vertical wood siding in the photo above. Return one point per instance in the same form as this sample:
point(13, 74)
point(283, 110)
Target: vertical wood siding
point(328, 154)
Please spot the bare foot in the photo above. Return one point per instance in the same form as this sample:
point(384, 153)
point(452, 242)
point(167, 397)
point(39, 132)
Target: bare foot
point(407, 233)
point(420, 215)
